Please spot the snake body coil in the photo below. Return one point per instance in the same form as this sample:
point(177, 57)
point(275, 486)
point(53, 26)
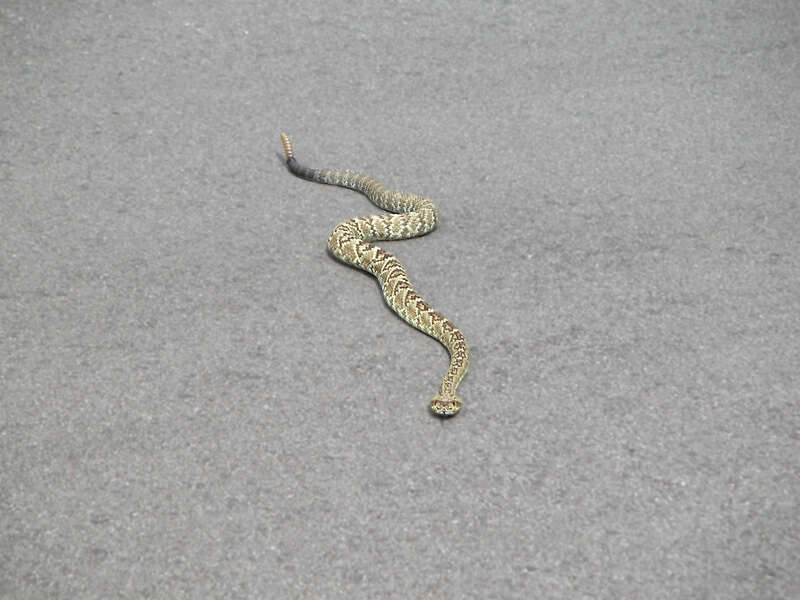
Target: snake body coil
point(350, 243)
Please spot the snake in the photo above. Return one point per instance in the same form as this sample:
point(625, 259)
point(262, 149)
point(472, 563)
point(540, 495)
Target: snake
point(350, 242)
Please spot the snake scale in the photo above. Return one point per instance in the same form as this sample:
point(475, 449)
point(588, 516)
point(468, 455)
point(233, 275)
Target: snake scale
point(350, 242)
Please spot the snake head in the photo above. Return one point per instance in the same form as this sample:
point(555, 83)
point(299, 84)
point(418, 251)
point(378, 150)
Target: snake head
point(445, 406)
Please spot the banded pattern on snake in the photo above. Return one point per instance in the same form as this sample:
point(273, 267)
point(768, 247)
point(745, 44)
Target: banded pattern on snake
point(350, 243)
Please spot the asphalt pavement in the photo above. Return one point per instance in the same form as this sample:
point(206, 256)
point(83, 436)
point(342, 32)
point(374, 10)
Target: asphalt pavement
point(198, 401)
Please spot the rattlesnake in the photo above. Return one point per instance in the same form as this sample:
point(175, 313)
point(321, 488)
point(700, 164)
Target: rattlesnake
point(349, 242)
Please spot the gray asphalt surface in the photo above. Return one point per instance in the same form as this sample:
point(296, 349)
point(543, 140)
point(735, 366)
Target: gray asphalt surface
point(198, 401)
